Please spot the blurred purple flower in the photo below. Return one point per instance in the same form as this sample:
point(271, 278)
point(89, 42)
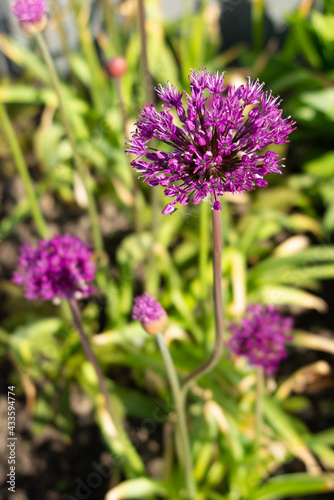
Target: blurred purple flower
point(59, 267)
point(215, 146)
point(29, 11)
point(150, 313)
point(261, 337)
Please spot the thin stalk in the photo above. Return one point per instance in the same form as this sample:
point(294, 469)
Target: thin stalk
point(57, 15)
point(112, 26)
point(120, 440)
point(144, 59)
point(79, 163)
point(148, 82)
point(186, 25)
point(88, 351)
point(211, 362)
point(121, 102)
point(137, 218)
point(24, 172)
point(152, 275)
point(258, 24)
point(184, 448)
point(259, 406)
point(203, 260)
point(98, 81)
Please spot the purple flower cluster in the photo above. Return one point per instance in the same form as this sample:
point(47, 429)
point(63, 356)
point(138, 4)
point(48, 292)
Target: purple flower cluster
point(216, 146)
point(59, 267)
point(29, 11)
point(261, 337)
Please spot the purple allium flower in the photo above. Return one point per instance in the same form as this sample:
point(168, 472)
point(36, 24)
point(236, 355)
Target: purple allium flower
point(215, 146)
point(29, 11)
point(262, 336)
point(59, 267)
point(150, 313)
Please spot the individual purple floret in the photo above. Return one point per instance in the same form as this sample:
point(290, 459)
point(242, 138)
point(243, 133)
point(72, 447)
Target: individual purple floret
point(261, 337)
point(29, 11)
point(150, 313)
point(215, 146)
point(59, 267)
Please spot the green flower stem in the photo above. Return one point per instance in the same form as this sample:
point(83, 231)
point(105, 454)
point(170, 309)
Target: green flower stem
point(82, 169)
point(182, 432)
point(120, 442)
point(112, 26)
point(152, 274)
point(211, 362)
point(88, 350)
point(258, 24)
point(24, 172)
point(148, 82)
point(136, 193)
point(203, 261)
point(259, 406)
point(58, 16)
point(98, 78)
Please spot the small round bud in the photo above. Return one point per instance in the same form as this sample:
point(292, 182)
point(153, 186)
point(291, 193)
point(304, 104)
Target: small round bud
point(157, 326)
point(150, 313)
point(117, 67)
point(31, 14)
point(34, 28)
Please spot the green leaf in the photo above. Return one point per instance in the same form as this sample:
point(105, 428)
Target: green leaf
point(320, 100)
point(23, 56)
point(282, 423)
point(26, 94)
point(35, 337)
point(141, 487)
point(18, 214)
point(324, 437)
point(285, 295)
point(314, 254)
point(325, 454)
point(81, 69)
point(304, 41)
point(328, 219)
point(323, 26)
point(329, 6)
point(322, 167)
point(162, 61)
point(294, 484)
point(47, 144)
point(312, 341)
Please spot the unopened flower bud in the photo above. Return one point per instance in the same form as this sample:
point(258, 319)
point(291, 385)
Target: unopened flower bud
point(117, 67)
point(34, 28)
point(31, 15)
point(150, 313)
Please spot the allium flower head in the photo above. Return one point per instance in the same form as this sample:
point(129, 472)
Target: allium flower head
point(215, 146)
point(31, 14)
point(59, 267)
point(261, 337)
point(150, 313)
